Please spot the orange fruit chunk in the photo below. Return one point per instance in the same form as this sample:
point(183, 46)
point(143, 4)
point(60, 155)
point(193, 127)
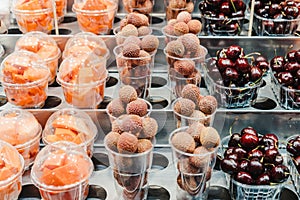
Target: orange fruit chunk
point(65, 134)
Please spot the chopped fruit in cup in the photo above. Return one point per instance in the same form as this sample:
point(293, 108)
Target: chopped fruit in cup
point(22, 130)
point(43, 45)
point(11, 170)
point(73, 126)
point(95, 16)
point(62, 171)
point(61, 7)
point(83, 79)
point(24, 77)
point(86, 42)
point(33, 15)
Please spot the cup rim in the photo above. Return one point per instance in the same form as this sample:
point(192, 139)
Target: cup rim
point(276, 20)
point(183, 58)
point(133, 155)
point(95, 12)
point(31, 12)
point(191, 118)
point(222, 19)
point(185, 153)
point(19, 173)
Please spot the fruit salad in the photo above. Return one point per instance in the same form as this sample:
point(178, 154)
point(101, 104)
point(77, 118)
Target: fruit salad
point(95, 16)
point(44, 46)
point(73, 126)
point(62, 171)
point(24, 77)
point(33, 15)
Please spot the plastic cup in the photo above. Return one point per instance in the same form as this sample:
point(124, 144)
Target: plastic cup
point(4, 19)
point(95, 17)
point(11, 171)
point(112, 118)
point(21, 129)
point(71, 125)
point(24, 77)
point(130, 172)
point(143, 7)
point(85, 42)
point(61, 9)
point(44, 46)
point(182, 120)
point(135, 71)
point(33, 15)
point(121, 38)
point(62, 171)
point(83, 78)
point(192, 182)
point(174, 7)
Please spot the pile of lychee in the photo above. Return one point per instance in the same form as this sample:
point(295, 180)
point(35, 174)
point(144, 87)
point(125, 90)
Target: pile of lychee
point(194, 107)
point(175, 7)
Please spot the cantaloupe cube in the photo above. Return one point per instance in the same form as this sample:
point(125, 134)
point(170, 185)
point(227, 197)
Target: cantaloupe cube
point(65, 134)
point(54, 161)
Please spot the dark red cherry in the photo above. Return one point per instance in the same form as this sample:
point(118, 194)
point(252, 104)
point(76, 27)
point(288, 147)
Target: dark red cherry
point(279, 174)
point(255, 73)
point(272, 136)
point(233, 52)
point(285, 78)
point(242, 65)
point(234, 140)
point(255, 153)
point(249, 141)
point(230, 74)
point(277, 63)
point(256, 168)
point(290, 56)
point(241, 153)
point(263, 65)
point(274, 9)
point(225, 8)
point(228, 151)
point(249, 130)
point(233, 156)
point(224, 63)
point(270, 155)
point(291, 67)
point(229, 166)
point(260, 58)
point(297, 55)
point(278, 160)
point(263, 179)
point(243, 166)
point(291, 12)
point(244, 177)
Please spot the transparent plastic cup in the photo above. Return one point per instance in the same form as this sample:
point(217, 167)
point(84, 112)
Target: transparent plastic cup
point(22, 130)
point(62, 171)
point(275, 27)
point(112, 118)
point(33, 15)
point(135, 71)
point(121, 38)
point(83, 78)
point(143, 7)
point(85, 42)
point(192, 183)
point(71, 125)
point(131, 172)
point(61, 9)
point(182, 120)
point(24, 77)
point(11, 171)
point(174, 7)
point(4, 19)
point(95, 17)
point(44, 46)
point(231, 97)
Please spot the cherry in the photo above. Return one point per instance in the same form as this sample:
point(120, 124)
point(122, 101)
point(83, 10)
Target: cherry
point(291, 66)
point(229, 166)
point(296, 146)
point(224, 63)
point(279, 173)
point(285, 78)
point(249, 141)
point(241, 153)
point(274, 9)
point(278, 160)
point(290, 56)
point(244, 177)
point(228, 151)
point(255, 167)
point(230, 74)
point(243, 166)
point(225, 8)
point(222, 53)
point(242, 65)
point(249, 130)
point(255, 73)
point(297, 55)
point(255, 153)
point(234, 140)
point(263, 179)
point(291, 149)
point(296, 161)
point(272, 136)
point(239, 13)
point(291, 12)
point(233, 156)
point(277, 63)
point(270, 155)
point(233, 52)
point(260, 58)
point(263, 66)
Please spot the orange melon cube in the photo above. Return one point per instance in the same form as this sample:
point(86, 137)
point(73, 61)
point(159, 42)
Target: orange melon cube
point(65, 134)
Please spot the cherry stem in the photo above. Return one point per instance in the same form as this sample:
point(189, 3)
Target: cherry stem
point(234, 8)
point(253, 53)
point(231, 126)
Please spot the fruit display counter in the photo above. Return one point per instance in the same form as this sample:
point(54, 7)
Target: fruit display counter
point(265, 114)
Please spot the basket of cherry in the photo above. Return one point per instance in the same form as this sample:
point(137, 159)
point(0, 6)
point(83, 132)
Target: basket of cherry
point(293, 149)
point(276, 18)
point(285, 79)
point(233, 77)
point(255, 167)
point(222, 17)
